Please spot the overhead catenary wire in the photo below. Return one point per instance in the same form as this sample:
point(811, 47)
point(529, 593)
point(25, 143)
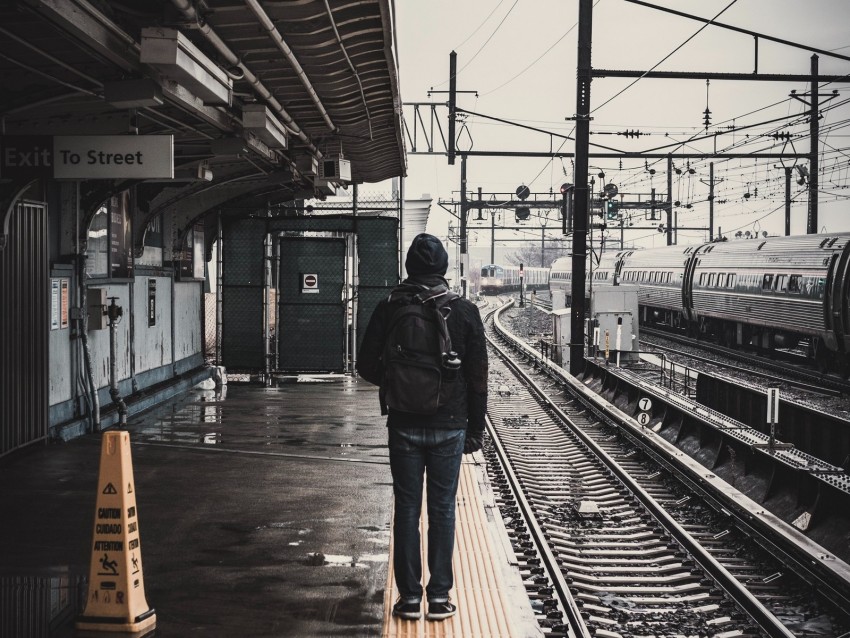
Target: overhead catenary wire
point(657, 64)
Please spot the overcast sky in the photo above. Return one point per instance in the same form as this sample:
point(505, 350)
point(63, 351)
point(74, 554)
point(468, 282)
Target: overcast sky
point(520, 56)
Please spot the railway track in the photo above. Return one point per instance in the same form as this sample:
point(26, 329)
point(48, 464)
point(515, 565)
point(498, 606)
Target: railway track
point(609, 544)
point(784, 371)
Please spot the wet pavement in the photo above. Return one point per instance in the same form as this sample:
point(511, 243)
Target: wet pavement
point(262, 512)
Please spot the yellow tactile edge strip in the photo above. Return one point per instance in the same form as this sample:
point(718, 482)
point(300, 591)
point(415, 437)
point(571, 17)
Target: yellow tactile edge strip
point(480, 592)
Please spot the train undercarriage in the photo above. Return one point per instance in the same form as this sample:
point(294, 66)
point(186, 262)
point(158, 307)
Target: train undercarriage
point(764, 341)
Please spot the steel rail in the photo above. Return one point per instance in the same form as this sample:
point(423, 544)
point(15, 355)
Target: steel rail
point(766, 621)
point(820, 384)
point(578, 628)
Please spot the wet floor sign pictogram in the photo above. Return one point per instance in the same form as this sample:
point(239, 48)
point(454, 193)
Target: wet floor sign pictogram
point(116, 598)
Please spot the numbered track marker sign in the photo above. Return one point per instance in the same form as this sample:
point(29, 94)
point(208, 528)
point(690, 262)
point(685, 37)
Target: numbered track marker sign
point(643, 418)
point(645, 405)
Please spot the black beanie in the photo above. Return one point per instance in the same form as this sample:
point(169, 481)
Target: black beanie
point(426, 256)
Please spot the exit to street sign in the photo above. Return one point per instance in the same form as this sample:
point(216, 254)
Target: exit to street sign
point(87, 156)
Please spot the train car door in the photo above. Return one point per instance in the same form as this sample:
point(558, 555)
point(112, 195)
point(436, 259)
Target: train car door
point(836, 310)
point(311, 317)
point(688, 286)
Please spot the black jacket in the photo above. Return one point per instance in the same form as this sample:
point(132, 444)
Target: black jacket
point(468, 405)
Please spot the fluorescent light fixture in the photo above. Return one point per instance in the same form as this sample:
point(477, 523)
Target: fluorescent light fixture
point(133, 94)
point(257, 119)
point(173, 55)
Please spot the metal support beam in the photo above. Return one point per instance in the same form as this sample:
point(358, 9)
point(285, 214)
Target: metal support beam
point(711, 202)
point(464, 210)
point(788, 171)
point(452, 104)
point(580, 212)
point(669, 204)
point(740, 30)
point(713, 75)
point(814, 125)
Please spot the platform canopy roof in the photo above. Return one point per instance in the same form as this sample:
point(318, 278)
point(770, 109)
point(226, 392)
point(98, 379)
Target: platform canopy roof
point(256, 92)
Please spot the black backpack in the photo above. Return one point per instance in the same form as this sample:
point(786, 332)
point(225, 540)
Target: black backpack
point(417, 359)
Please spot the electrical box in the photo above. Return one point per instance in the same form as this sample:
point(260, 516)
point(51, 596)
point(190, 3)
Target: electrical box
point(615, 309)
point(97, 308)
point(615, 335)
point(561, 333)
point(336, 169)
point(559, 299)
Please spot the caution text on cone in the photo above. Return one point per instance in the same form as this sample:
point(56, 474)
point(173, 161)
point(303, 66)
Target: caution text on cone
point(116, 597)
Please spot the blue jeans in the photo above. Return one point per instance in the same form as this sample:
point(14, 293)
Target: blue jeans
point(414, 453)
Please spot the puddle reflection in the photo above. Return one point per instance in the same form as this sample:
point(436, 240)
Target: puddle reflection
point(40, 606)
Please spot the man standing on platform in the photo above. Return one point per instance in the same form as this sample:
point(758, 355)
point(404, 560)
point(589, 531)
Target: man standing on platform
point(427, 435)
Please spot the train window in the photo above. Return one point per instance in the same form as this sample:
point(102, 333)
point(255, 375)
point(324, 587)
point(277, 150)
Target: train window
point(669, 276)
point(781, 283)
point(721, 280)
point(794, 284)
point(702, 279)
point(730, 281)
point(767, 282)
point(711, 279)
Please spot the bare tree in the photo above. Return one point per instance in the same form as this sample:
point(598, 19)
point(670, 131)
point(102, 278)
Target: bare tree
point(537, 255)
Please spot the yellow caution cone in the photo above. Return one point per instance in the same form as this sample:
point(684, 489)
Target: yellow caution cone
point(116, 597)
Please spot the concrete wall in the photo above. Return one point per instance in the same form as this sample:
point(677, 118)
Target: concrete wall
point(152, 343)
point(172, 346)
point(99, 339)
point(188, 330)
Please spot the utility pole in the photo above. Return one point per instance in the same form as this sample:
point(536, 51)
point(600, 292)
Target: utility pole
point(452, 105)
point(492, 236)
point(464, 208)
point(669, 205)
point(711, 182)
point(788, 171)
point(580, 221)
point(812, 223)
point(710, 201)
point(543, 247)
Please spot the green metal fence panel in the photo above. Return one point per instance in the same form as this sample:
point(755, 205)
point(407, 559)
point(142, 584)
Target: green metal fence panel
point(377, 249)
point(311, 316)
point(242, 295)
point(311, 326)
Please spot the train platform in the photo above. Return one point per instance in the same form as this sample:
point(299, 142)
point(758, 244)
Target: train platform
point(263, 511)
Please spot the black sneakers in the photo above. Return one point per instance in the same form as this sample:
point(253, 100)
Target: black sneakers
point(440, 611)
point(411, 610)
point(407, 610)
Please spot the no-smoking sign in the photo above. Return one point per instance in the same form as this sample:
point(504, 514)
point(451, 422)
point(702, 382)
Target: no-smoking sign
point(309, 282)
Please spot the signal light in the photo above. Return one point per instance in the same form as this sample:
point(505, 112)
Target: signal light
point(522, 213)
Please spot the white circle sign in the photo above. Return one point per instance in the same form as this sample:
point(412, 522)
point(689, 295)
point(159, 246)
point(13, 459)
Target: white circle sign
point(643, 418)
point(645, 405)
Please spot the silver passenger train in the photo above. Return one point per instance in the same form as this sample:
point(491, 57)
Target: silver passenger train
point(496, 278)
point(779, 292)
